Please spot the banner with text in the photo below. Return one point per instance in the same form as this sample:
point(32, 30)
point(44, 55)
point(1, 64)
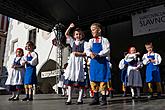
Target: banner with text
point(150, 21)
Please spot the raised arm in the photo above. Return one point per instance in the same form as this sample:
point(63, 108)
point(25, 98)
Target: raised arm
point(68, 30)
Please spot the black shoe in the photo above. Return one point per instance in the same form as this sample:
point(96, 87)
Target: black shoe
point(79, 103)
point(103, 103)
point(25, 99)
point(138, 97)
point(94, 102)
point(11, 98)
point(124, 95)
point(158, 95)
point(30, 99)
point(16, 99)
point(68, 103)
point(62, 95)
point(133, 97)
point(104, 100)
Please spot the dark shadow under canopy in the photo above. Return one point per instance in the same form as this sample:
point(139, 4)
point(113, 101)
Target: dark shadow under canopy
point(45, 14)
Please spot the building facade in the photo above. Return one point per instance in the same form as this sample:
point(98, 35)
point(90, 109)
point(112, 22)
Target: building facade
point(47, 69)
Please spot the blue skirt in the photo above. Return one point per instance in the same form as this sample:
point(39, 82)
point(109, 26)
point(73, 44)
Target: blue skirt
point(30, 76)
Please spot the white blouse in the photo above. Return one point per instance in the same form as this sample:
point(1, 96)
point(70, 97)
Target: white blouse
point(121, 64)
point(34, 60)
point(158, 58)
point(105, 45)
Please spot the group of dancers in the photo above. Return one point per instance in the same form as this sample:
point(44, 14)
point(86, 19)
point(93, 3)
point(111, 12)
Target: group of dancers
point(96, 55)
point(97, 50)
point(22, 75)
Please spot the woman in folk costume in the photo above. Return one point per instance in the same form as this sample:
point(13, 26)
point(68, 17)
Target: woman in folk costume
point(15, 77)
point(123, 67)
point(152, 60)
point(98, 49)
point(74, 74)
point(30, 78)
point(133, 72)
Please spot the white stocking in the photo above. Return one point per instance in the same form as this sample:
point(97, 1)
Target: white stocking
point(132, 91)
point(69, 94)
point(80, 95)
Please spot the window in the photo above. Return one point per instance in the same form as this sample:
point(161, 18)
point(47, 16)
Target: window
point(32, 35)
point(14, 45)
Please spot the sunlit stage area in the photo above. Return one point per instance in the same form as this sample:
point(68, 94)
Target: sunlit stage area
point(56, 102)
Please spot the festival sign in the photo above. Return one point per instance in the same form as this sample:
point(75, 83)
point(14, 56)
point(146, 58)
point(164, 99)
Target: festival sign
point(150, 21)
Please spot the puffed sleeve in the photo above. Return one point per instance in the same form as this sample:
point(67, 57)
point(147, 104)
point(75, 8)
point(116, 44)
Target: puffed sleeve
point(106, 48)
point(129, 57)
point(158, 59)
point(34, 61)
point(23, 60)
point(88, 47)
point(70, 41)
point(121, 64)
point(145, 60)
point(85, 46)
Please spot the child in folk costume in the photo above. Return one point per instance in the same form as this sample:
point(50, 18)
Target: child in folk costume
point(30, 78)
point(123, 67)
point(133, 73)
point(15, 77)
point(61, 80)
point(74, 74)
point(98, 49)
point(152, 60)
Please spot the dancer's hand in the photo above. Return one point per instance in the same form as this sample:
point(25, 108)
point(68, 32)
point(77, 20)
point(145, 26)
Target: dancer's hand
point(151, 60)
point(137, 53)
point(71, 25)
point(92, 55)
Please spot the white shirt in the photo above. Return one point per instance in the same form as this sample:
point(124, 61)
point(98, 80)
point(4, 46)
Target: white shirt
point(34, 60)
point(105, 52)
point(158, 58)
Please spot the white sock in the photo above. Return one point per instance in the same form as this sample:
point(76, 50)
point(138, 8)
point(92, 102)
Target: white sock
point(67, 91)
point(63, 92)
point(138, 91)
point(80, 95)
point(17, 94)
point(69, 94)
point(13, 94)
point(132, 91)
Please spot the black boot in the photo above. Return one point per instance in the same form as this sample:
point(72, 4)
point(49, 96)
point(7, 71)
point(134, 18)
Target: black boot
point(26, 98)
point(159, 95)
point(95, 101)
point(104, 100)
point(30, 97)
